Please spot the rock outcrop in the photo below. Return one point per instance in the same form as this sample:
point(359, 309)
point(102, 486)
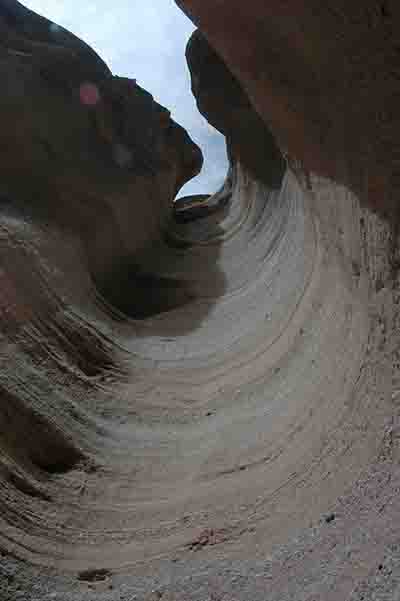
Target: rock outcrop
point(324, 78)
point(91, 152)
point(222, 101)
point(200, 405)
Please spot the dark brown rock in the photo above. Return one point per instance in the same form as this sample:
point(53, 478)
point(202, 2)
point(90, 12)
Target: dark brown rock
point(323, 77)
point(80, 147)
point(223, 102)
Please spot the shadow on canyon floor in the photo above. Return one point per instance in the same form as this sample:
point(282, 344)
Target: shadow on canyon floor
point(178, 275)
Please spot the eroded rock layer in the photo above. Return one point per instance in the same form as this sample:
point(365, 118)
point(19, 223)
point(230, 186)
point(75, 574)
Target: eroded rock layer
point(191, 408)
point(324, 77)
point(223, 102)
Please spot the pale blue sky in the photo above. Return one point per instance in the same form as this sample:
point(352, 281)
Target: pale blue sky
point(145, 40)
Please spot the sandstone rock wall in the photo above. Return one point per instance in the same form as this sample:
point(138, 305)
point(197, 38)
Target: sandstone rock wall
point(203, 408)
point(324, 77)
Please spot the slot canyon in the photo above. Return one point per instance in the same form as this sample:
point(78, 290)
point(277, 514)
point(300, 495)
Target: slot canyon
point(200, 396)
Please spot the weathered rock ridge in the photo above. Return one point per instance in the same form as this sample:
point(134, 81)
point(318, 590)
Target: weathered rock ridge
point(91, 152)
point(200, 408)
point(224, 104)
point(324, 77)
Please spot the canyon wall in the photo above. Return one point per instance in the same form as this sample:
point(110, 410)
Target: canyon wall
point(325, 78)
point(201, 403)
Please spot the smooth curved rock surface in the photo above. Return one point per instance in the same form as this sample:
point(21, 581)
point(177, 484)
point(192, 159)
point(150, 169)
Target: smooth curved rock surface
point(238, 442)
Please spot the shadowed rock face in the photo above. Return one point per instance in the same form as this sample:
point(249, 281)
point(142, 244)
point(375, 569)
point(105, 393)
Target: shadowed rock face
point(195, 408)
point(82, 148)
point(222, 101)
point(325, 79)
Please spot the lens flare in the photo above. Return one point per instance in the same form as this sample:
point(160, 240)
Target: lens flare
point(89, 94)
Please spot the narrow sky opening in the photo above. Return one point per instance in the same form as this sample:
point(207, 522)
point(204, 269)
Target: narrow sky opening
point(146, 40)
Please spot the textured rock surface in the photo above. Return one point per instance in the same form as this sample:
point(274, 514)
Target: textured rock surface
point(224, 425)
point(222, 101)
point(325, 79)
point(89, 151)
